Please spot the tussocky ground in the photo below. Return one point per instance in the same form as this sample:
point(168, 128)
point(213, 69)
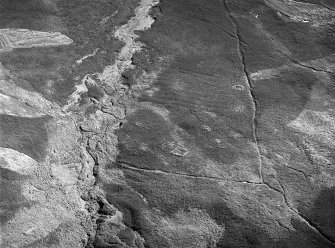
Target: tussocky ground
point(171, 123)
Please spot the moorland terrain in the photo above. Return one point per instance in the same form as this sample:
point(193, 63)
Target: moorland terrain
point(171, 123)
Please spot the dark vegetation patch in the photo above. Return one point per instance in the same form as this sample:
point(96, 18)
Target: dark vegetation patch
point(322, 213)
point(148, 141)
point(270, 41)
point(26, 135)
point(287, 94)
point(296, 37)
point(30, 14)
point(91, 23)
point(110, 235)
point(130, 203)
point(142, 139)
point(189, 33)
point(44, 6)
point(91, 110)
point(326, 39)
point(330, 88)
point(11, 199)
point(94, 92)
point(172, 194)
point(291, 88)
point(9, 175)
point(45, 70)
point(53, 238)
point(197, 100)
point(194, 30)
point(302, 237)
point(207, 132)
point(201, 76)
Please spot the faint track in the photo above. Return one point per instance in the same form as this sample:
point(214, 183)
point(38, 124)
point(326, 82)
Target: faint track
point(250, 84)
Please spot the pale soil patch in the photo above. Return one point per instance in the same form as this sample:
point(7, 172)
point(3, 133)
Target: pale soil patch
point(303, 12)
point(12, 106)
point(320, 125)
point(16, 161)
point(189, 229)
point(35, 223)
point(32, 99)
point(11, 38)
